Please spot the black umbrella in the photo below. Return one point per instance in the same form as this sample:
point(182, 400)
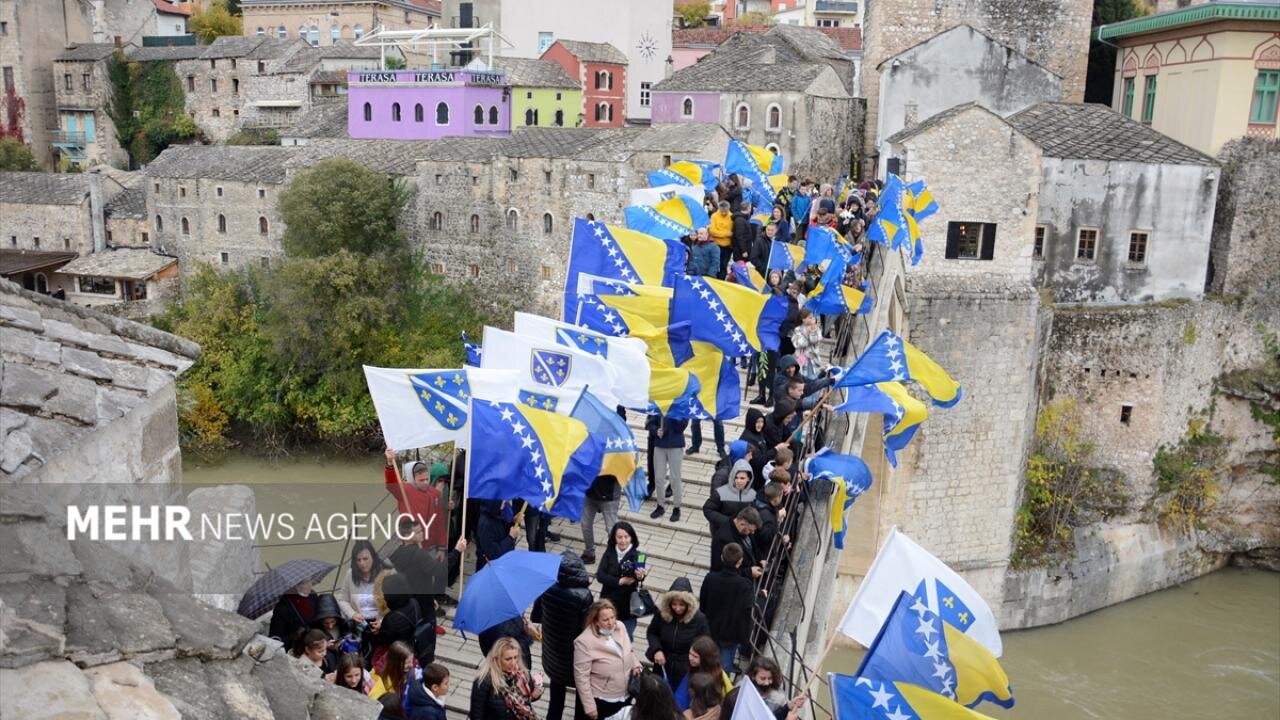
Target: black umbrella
point(266, 590)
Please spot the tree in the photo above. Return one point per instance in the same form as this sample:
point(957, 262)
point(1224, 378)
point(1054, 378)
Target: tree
point(215, 21)
point(694, 13)
point(395, 62)
point(147, 106)
point(753, 19)
point(341, 204)
point(14, 155)
point(1100, 75)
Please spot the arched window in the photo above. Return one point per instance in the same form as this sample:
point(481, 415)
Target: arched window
point(686, 108)
point(559, 118)
point(222, 223)
point(513, 219)
point(547, 223)
point(262, 225)
point(302, 32)
point(186, 227)
point(261, 32)
point(608, 78)
point(359, 31)
point(314, 35)
point(493, 114)
point(282, 33)
point(442, 113)
point(479, 118)
point(159, 224)
point(599, 79)
point(437, 221)
point(528, 117)
point(395, 112)
point(743, 116)
point(475, 223)
point(417, 112)
point(42, 284)
point(773, 148)
point(368, 112)
point(773, 121)
point(334, 34)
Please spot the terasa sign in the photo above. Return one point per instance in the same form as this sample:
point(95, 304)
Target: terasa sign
point(429, 77)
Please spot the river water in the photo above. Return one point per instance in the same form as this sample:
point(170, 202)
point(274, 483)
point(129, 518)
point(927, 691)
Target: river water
point(1207, 649)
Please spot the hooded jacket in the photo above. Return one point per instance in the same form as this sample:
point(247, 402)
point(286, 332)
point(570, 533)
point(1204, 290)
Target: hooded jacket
point(610, 572)
point(727, 601)
point(726, 500)
point(721, 229)
point(737, 451)
point(776, 431)
point(759, 447)
point(493, 539)
point(562, 610)
point(672, 431)
point(673, 636)
point(768, 526)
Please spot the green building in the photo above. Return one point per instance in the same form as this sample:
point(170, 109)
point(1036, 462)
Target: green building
point(542, 93)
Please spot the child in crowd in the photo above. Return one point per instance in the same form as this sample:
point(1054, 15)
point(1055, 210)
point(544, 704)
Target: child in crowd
point(424, 699)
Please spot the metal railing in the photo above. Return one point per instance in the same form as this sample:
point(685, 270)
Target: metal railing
point(69, 137)
point(836, 6)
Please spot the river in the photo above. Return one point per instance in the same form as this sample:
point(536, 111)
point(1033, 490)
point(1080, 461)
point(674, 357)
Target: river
point(1207, 649)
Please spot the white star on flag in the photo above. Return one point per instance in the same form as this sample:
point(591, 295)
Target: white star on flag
point(506, 413)
point(926, 629)
point(897, 715)
point(882, 696)
point(526, 441)
point(518, 428)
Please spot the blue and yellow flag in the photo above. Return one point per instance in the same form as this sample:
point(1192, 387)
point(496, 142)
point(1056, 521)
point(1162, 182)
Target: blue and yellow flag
point(890, 358)
point(771, 319)
point(620, 455)
point(756, 164)
point(924, 204)
point(745, 274)
point(856, 698)
point(616, 253)
point(693, 173)
point(916, 646)
point(851, 478)
point(785, 256)
point(674, 393)
point(823, 244)
point(902, 412)
point(538, 456)
point(721, 393)
point(721, 313)
point(670, 219)
point(832, 297)
point(639, 311)
point(474, 352)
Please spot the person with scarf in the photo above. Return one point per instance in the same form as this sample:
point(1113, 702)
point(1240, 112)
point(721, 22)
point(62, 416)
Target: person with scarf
point(504, 689)
point(603, 663)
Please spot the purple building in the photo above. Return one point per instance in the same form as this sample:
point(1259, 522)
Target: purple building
point(674, 107)
point(427, 104)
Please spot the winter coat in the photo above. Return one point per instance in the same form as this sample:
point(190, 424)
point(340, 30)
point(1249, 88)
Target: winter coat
point(808, 344)
point(726, 500)
point(286, 620)
point(598, 669)
point(727, 600)
point(418, 704)
point(425, 502)
point(800, 207)
point(493, 538)
point(610, 572)
point(672, 431)
point(784, 231)
point(744, 236)
point(768, 526)
point(775, 432)
point(400, 621)
point(486, 701)
point(728, 533)
point(721, 229)
point(759, 446)
point(425, 574)
point(514, 629)
point(561, 610)
point(673, 636)
point(737, 451)
point(760, 248)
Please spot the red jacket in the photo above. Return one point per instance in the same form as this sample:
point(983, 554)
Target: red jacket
point(426, 503)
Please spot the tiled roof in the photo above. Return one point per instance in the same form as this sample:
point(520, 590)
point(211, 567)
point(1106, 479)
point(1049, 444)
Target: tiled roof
point(171, 9)
point(15, 261)
point(594, 52)
point(934, 120)
point(237, 163)
point(232, 46)
point(126, 263)
point(308, 57)
point(847, 39)
point(130, 203)
point(811, 44)
point(393, 157)
point(528, 72)
point(1087, 131)
point(326, 119)
point(167, 54)
point(744, 77)
point(270, 48)
point(785, 58)
point(87, 51)
point(38, 188)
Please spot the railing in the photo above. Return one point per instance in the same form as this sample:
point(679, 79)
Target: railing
point(69, 137)
point(836, 6)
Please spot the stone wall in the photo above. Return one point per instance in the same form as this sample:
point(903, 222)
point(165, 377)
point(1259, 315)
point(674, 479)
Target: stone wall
point(48, 227)
point(1246, 255)
point(105, 147)
point(242, 204)
point(216, 110)
point(221, 569)
point(818, 136)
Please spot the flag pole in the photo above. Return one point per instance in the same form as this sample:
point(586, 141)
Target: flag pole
point(466, 477)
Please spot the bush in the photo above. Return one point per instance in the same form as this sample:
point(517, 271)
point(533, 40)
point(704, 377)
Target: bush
point(1186, 475)
point(148, 107)
point(16, 155)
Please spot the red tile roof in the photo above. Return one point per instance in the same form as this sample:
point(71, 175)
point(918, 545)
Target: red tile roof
point(435, 7)
point(849, 39)
point(170, 9)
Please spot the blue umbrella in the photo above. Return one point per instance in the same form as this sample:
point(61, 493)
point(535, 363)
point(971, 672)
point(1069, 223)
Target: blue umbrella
point(505, 588)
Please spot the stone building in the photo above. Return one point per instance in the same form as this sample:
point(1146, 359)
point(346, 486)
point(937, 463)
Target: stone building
point(125, 216)
point(121, 275)
point(216, 83)
point(542, 93)
point(285, 91)
point(787, 90)
point(48, 211)
point(601, 72)
point(85, 134)
point(689, 45)
point(328, 22)
point(1054, 34)
point(171, 18)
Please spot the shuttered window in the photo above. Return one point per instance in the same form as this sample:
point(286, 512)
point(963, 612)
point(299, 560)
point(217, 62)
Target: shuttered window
point(968, 240)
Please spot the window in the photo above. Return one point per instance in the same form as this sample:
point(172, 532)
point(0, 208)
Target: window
point(186, 227)
point(559, 121)
point(1266, 89)
point(548, 224)
point(216, 112)
point(263, 226)
point(437, 221)
point(514, 174)
point(84, 81)
point(97, 285)
point(475, 223)
point(260, 32)
point(1087, 244)
point(528, 95)
point(970, 240)
point(35, 242)
point(591, 181)
point(473, 271)
point(157, 187)
point(600, 74)
point(314, 35)
point(530, 117)
point(512, 266)
point(604, 112)
point(264, 261)
point(417, 112)
point(513, 219)
point(475, 179)
point(302, 32)
point(235, 86)
point(213, 63)
point(546, 272)
point(479, 116)
point(281, 32)
point(828, 22)
point(233, 63)
point(1037, 245)
point(1126, 414)
point(146, 238)
point(359, 31)
point(262, 66)
point(159, 224)
point(222, 223)
point(1126, 107)
point(439, 179)
point(4, 28)
point(546, 176)
point(1149, 100)
point(442, 113)
point(66, 242)
point(686, 108)
point(334, 33)
point(1138, 247)
point(261, 193)
point(8, 79)
point(743, 117)
point(368, 112)
point(559, 96)
point(224, 258)
point(66, 82)
point(437, 268)
point(493, 114)
point(182, 192)
point(213, 85)
point(666, 161)
point(773, 148)
point(544, 41)
point(395, 112)
point(773, 119)
point(645, 93)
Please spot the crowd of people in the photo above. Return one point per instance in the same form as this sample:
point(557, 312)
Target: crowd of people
point(377, 634)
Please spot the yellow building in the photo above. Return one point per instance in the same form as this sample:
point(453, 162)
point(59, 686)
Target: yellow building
point(324, 22)
point(542, 93)
point(1203, 74)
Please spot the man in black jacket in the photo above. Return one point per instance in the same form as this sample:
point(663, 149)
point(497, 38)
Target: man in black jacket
point(740, 531)
point(744, 233)
point(495, 533)
point(561, 610)
point(426, 575)
point(727, 600)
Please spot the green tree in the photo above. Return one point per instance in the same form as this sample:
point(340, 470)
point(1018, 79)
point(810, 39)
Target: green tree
point(694, 13)
point(148, 107)
point(1100, 74)
point(340, 204)
point(215, 21)
point(16, 155)
point(753, 19)
point(395, 62)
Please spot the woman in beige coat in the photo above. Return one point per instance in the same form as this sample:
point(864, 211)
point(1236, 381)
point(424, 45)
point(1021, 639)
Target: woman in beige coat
point(603, 662)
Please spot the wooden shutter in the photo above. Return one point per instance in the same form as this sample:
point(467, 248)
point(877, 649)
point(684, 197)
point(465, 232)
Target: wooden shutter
point(953, 240)
point(988, 250)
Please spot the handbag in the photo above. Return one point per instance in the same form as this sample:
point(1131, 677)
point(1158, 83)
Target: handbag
point(642, 602)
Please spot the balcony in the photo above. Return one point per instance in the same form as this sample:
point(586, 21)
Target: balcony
point(835, 7)
point(68, 137)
